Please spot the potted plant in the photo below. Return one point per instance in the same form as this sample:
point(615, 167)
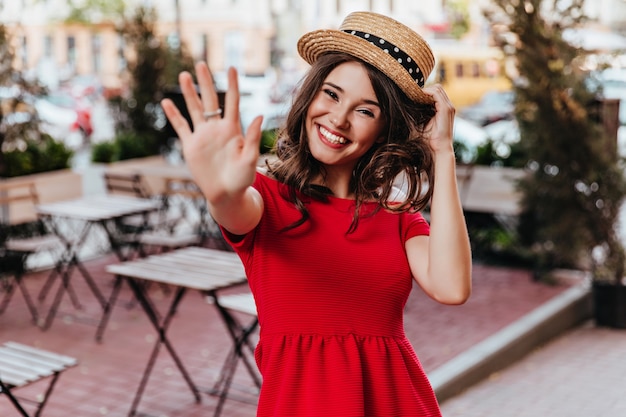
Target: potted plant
point(609, 287)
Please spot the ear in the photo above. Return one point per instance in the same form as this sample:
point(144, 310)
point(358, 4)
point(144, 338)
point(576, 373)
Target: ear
point(381, 139)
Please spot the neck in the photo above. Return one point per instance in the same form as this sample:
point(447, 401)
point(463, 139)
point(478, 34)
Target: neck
point(338, 181)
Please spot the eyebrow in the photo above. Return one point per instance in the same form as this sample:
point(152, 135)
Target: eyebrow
point(372, 102)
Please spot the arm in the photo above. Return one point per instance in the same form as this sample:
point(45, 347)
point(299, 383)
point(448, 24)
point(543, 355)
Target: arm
point(221, 159)
point(442, 262)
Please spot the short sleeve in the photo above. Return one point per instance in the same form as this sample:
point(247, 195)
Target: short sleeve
point(413, 224)
point(244, 243)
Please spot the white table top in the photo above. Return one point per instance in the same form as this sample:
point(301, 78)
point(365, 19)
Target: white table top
point(98, 207)
point(192, 267)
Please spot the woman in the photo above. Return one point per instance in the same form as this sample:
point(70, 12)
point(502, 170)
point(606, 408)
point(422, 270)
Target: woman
point(329, 243)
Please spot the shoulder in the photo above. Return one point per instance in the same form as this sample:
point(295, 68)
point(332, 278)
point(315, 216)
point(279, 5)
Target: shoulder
point(267, 185)
point(413, 224)
point(263, 176)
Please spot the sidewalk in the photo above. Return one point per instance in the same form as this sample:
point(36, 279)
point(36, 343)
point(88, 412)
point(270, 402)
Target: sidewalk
point(453, 343)
point(581, 374)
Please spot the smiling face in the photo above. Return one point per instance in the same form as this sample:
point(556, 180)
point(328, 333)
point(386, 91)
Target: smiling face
point(344, 120)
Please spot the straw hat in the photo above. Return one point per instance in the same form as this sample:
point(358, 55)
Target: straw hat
point(393, 48)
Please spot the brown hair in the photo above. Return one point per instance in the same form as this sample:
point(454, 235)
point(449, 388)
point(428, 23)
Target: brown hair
point(405, 151)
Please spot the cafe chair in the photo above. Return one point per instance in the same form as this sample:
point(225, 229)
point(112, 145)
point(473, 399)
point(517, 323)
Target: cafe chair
point(22, 365)
point(126, 183)
point(242, 348)
point(161, 230)
point(182, 201)
point(131, 184)
point(23, 239)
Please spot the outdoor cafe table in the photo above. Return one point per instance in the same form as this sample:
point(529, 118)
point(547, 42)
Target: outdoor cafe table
point(104, 211)
point(193, 268)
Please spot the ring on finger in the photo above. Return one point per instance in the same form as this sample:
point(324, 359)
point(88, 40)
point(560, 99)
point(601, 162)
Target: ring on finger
point(208, 114)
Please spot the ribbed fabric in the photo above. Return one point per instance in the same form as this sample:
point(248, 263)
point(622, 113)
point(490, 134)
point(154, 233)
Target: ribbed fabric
point(330, 308)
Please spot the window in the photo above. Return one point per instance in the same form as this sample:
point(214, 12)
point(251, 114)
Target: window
point(71, 52)
point(121, 58)
point(23, 52)
point(459, 69)
point(204, 47)
point(96, 52)
point(48, 44)
point(234, 46)
point(475, 70)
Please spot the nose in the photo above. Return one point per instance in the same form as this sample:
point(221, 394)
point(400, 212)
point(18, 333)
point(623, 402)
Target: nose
point(339, 118)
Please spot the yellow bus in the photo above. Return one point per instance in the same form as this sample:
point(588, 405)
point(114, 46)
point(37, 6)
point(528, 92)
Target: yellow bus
point(467, 72)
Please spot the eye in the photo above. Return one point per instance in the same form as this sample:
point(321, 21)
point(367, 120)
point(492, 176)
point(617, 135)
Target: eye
point(331, 93)
point(367, 112)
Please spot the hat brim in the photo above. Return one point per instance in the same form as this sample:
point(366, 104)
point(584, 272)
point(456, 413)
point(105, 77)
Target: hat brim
point(311, 45)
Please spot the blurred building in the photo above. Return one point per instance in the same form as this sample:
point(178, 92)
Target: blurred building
point(251, 35)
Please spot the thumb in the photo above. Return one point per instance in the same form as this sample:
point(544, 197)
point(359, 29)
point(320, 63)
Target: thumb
point(253, 138)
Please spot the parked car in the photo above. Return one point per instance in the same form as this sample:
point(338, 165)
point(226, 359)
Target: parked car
point(84, 87)
point(492, 107)
point(59, 114)
point(64, 118)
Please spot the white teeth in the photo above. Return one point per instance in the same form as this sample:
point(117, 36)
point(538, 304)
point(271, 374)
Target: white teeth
point(332, 138)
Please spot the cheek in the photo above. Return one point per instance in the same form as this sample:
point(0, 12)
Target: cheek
point(315, 108)
point(372, 133)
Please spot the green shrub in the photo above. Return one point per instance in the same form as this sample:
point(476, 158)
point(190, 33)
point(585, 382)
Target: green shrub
point(495, 241)
point(39, 156)
point(126, 145)
point(104, 152)
point(268, 139)
point(490, 154)
point(131, 145)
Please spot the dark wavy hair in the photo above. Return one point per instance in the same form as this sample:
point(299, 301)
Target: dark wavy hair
point(405, 152)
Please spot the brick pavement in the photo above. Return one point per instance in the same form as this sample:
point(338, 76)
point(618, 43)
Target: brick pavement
point(108, 375)
point(580, 374)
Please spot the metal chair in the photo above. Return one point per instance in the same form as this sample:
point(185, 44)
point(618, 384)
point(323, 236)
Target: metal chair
point(18, 242)
point(22, 365)
point(182, 205)
point(160, 231)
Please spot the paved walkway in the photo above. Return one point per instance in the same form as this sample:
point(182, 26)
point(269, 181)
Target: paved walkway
point(580, 374)
point(107, 377)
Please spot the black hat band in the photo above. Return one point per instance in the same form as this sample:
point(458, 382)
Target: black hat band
point(398, 54)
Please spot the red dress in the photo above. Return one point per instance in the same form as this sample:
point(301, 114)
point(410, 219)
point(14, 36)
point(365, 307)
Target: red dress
point(330, 308)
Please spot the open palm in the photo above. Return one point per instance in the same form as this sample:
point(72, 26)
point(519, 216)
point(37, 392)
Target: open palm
point(222, 160)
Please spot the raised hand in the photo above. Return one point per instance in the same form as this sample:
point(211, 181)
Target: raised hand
point(440, 128)
point(221, 159)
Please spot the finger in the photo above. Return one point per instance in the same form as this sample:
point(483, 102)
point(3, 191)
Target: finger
point(253, 139)
point(208, 94)
point(232, 97)
point(178, 122)
point(440, 96)
point(192, 100)
point(446, 99)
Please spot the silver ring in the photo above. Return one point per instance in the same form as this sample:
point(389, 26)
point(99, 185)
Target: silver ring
point(208, 114)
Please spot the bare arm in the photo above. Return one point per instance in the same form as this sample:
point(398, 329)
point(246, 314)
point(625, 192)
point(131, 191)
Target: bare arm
point(442, 262)
point(221, 159)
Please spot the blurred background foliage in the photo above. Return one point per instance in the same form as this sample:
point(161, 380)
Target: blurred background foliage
point(575, 184)
point(23, 148)
point(139, 121)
